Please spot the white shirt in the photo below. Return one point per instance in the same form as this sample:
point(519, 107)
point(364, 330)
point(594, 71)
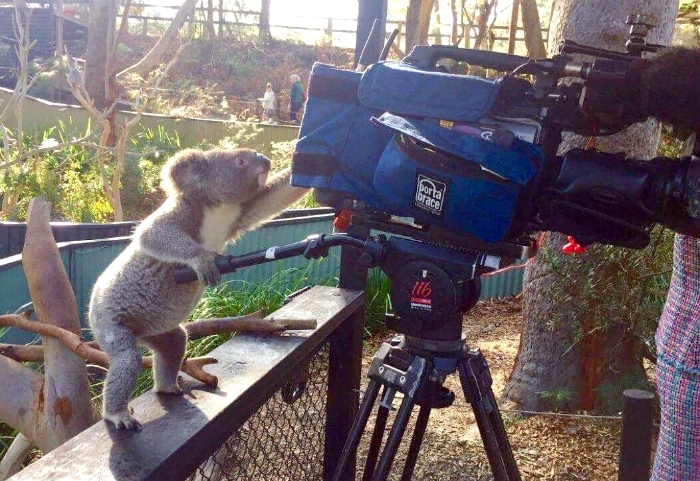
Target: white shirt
point(269, 100)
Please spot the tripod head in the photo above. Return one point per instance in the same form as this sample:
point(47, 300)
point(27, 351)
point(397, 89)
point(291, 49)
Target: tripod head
point(433, 286)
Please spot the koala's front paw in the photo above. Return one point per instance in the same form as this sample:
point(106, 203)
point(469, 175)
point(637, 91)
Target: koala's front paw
point(123, 420)
point(206, 269)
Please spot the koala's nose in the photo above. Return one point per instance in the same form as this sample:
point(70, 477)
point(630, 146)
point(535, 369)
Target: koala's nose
point(263, 161)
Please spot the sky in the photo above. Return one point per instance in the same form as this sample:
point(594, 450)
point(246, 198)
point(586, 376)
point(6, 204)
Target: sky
point(281, 9)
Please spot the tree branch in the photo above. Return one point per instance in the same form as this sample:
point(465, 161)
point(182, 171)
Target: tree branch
point(14, 457)
point(155, 55)
point(196, 329)
point(72, 341)
point(22, 399)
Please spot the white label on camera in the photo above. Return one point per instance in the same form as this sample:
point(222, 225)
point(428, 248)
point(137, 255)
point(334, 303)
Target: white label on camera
point(430, 194)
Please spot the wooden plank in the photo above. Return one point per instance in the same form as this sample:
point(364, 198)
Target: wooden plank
point(181, 432)
point(69, 18)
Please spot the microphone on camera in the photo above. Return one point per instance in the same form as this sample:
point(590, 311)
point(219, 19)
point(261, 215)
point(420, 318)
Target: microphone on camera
point(667, 87)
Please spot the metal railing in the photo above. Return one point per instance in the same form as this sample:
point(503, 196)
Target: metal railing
point(274, 415)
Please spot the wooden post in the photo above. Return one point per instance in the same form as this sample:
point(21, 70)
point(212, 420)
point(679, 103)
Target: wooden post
point(221, 18)
point(59, 28)
point(145, 27)
point(329, 31)
point(513, 26)
point(635, 441)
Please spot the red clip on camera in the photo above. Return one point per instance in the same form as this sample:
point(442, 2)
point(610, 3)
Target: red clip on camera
point(573, 247)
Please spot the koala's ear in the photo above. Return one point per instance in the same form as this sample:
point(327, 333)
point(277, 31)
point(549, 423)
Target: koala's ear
point(184, 172)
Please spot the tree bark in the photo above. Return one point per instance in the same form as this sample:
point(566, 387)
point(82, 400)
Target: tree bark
point(513, 28)
point(68, 408)
point(14, 456)
point(550, 358)
point(426, 9)
point(412, 24)
point(211, 32)
point(533, 30)
point(454, 38)
point(155, 56)
point(22, 400)
point(485, 7)
point(264, 35)
point(98, 48)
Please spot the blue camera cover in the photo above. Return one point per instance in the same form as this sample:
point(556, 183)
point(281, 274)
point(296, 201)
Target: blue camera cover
point(346, 144)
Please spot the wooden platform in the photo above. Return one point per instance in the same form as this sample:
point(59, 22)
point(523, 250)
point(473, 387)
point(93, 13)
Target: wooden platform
point(181, 432)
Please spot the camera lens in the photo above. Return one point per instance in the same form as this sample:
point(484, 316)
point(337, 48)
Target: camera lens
point(681, 191)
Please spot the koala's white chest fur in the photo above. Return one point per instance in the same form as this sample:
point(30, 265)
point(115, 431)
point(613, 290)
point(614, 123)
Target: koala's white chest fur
point(216, 226)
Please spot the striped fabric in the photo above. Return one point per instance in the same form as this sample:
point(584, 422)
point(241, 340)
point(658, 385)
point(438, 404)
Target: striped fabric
point(678, 369)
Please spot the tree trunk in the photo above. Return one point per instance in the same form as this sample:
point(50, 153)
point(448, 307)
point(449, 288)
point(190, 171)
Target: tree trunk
point(415, 23)
point(513, 28)
point(485, 7)
point(265, 37)
point(67, 408)
point(533, 29)
point(211, 32)
point(98, 49)
point(155, 56)
point(454, 38)
point(437, 27)
point(563, 353)
point(426, 9)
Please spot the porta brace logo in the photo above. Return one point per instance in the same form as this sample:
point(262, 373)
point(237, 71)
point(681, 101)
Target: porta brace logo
point(430, 194)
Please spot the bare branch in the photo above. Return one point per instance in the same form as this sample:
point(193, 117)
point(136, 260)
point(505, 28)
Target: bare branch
point(14, 457)
point(72, 341)
point(154, 57)
point(20, 397)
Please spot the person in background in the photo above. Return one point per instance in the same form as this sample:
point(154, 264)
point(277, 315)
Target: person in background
point(268, 103)
point(297, 97)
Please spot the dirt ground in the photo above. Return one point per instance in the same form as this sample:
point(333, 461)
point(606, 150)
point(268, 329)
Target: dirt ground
point(545, 447)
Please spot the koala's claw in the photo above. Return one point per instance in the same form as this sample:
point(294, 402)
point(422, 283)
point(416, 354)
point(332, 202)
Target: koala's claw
point(123, 420)
point(207, 271)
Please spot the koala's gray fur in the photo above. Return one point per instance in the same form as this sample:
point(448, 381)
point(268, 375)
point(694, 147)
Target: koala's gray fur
point(213, 197)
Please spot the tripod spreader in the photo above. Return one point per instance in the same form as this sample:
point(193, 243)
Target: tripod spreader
point(313, 247)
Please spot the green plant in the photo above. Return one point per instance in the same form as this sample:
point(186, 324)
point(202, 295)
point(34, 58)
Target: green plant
point(140, 183)
point(377, 302)
point(557, 399)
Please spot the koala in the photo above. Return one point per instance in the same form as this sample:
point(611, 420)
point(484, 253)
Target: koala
point(212, 198)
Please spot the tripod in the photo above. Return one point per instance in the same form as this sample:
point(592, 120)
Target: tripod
point(418, 368)
point(432, 287)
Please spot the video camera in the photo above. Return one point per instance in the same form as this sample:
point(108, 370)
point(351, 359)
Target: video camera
point(410, 147)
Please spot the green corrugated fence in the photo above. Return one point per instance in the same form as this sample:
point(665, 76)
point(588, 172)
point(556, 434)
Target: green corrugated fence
point(85, 260)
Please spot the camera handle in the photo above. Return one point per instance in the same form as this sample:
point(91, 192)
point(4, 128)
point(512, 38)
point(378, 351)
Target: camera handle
point(313, 247)
point(426, 57)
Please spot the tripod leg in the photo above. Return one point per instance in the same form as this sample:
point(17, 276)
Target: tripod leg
point(416, 440)
point(502, 438)
point(356, 430)
point(476, 384)
point(377, 437)
point(395, 435)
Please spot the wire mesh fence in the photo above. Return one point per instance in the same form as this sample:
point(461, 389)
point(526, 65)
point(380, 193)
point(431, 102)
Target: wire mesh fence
point(284, 440)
